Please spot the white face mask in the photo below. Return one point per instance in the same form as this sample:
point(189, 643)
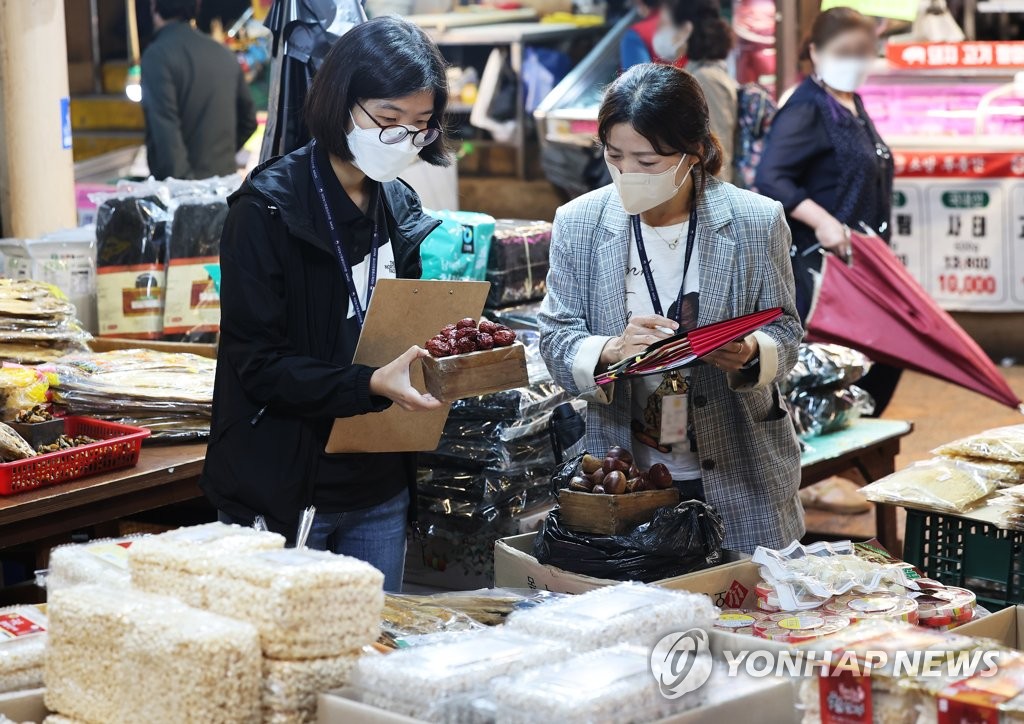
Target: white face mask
point(380, 161)
point(641, 192)
point(843, 74)
point(667, 44)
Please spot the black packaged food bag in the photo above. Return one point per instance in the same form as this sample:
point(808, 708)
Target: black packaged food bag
point(680, 539)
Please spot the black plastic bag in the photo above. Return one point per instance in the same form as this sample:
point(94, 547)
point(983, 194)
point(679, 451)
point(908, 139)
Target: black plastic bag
point(678, 540)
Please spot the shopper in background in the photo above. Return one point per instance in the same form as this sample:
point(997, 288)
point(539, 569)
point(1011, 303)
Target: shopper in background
point(706, 39)
point(306, 239)
point(651, 39)
point(826, 163)
point(194, 97)
point(669, 246)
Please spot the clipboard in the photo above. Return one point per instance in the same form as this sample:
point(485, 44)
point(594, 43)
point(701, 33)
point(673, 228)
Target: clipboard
point(403, 313)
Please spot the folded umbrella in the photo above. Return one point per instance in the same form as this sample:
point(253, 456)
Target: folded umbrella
point(874, 305)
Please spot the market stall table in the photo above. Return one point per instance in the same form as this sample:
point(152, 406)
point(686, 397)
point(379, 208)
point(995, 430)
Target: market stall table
point(869, 447)
point(164, 476)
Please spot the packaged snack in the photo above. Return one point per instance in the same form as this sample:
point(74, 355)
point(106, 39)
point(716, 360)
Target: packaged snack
point(1005, 444)
point(102, 562)
point(794, 627)
point(627, 613)
point(290, 688)
point(941, 483)
point(605, 685)
point(22, 647)
point(127, 656)
point(426, 682)
point(735, 620)
point(881, 605)
point(946, 606)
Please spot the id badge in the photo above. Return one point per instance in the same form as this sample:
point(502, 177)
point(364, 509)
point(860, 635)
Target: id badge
point(673, 419)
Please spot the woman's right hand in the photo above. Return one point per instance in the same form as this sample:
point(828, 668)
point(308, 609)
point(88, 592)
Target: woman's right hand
point(640, 334)
point(392, 381)
point(834, 236)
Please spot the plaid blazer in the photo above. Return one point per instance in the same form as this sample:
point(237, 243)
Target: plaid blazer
point(746, 443)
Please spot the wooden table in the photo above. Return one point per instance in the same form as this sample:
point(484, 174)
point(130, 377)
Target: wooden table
point(868, 446)
point(165, 475)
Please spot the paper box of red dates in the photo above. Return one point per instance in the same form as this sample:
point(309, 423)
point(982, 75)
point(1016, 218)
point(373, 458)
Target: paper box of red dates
point(612, 496)
point(469, 359)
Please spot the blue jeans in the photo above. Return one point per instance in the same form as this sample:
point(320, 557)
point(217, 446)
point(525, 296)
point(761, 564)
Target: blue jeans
point(375, 535)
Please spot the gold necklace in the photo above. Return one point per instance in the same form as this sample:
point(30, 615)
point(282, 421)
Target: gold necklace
point(672, 245)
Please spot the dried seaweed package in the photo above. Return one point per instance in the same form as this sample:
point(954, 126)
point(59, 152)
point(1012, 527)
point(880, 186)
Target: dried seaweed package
point(130, 259)
point(192, 307)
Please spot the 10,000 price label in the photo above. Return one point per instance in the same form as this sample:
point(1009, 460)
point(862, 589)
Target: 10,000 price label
point(984, 285)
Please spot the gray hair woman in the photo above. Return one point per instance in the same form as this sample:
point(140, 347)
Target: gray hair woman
point(668, 245)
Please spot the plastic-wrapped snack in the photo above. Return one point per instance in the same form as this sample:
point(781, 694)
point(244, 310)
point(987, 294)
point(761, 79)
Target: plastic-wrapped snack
point(735, 620)
point(406, 616)
point(627, 613)
point(59, 719)
point(102, 562)
point(128, 656)
point(285, 594)
point(22, 647)
point(290, 688)
point(1002, 443)
point(940, 483)
point(795, 627)
point(882, 604)
point(169, 563)
point(426, 682)
point(767, 599)
point(1004, 473)
point(987, 696)
point(947, 606)
point(610, 684)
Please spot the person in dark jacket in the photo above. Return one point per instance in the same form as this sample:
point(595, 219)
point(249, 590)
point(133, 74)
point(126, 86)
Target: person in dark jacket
point(825, 161)
point(195, 99)
point(301, 241)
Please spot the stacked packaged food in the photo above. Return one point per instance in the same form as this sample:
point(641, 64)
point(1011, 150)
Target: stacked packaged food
point(22, 647)
point(37, 323)
point(518, 265)
point(170, 394)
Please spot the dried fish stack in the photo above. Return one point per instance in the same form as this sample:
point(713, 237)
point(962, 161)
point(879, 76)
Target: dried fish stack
point(171, 394)
point(37, 323)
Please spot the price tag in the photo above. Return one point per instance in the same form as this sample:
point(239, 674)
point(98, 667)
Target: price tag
point(673, 419)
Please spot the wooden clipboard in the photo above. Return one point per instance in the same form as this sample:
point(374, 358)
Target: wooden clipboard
point(404, 312)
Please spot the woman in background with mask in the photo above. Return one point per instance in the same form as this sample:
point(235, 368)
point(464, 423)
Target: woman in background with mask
point(669, 246)
point(824, 160)
point(307, 238)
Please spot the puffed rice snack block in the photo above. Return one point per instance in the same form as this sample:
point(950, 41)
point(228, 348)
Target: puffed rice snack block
point(290, 688)
point(306, 604)
point(103, 561)
point(175, 563)
point(22, 647)
point(127, 656)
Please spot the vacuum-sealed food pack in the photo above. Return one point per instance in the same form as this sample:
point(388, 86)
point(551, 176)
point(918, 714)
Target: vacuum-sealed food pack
point(941, 483)
point(1005, 444)
point(101, 562)
point(22, 647)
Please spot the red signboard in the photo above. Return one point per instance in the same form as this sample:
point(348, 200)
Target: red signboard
point(983, 54)
point(966, 165)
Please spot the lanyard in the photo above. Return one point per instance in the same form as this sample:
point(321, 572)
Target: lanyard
point(645, 263)
point(346, 268)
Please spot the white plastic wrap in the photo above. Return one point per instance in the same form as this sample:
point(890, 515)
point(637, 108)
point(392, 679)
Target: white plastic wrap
point(607, 685)
point(101, 562)
point(22, 647)
point(945, 484)
point(628, 613)
point(290, 688)
point(1005, 444)
point(426, 682)
point(127, 656)
point(804, 577)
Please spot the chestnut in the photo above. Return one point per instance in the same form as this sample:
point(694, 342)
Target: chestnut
point(660, 477)
point(598, 489)
point(615, 483)
point(580, 485)
point(621, 453)
point(612, 465)
point(634, 472)
point(590, 464)
point(633, 485)
point(597, 476)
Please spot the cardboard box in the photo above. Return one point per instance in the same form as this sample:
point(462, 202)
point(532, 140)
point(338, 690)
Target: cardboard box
point(515, 567)
point(476, 374)
point(109, 344)
point(24, 706)
point(1006, 627)
point(730, 585)
point(773, 700)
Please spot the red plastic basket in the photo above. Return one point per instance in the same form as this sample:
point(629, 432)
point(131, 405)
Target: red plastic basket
point(118, 447)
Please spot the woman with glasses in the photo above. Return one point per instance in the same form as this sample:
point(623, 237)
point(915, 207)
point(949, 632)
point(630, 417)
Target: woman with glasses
point(826, 163)
point(307, 238)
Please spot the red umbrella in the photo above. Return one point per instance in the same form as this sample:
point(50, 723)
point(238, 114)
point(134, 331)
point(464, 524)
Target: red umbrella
point(876, 306)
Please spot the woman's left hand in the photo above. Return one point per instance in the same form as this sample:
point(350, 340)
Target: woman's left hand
point(733, 356)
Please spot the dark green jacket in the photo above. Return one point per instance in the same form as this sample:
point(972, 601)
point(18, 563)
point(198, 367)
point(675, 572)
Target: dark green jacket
point(196, 102)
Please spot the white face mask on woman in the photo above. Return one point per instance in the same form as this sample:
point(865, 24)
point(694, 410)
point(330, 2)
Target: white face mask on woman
point(641, 192)
point(378, 160)
point(843, 74)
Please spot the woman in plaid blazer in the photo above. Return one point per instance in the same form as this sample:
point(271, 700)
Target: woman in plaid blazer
point(741, 445)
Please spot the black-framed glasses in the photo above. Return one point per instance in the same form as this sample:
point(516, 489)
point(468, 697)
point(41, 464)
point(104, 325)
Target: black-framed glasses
point(391, 135)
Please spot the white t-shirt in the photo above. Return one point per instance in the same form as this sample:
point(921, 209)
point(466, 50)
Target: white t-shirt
point(361, 273)
point(667, 268)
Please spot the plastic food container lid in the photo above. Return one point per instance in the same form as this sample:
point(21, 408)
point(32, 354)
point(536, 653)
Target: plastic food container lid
point(884, 605)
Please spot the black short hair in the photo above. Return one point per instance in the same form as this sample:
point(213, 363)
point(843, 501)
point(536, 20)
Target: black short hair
point(665, 105)
point(383, 58)
point(711, 38)
point(176, 9)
